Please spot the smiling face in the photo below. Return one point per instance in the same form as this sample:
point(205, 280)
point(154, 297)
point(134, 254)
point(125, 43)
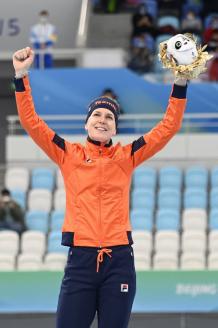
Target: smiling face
point(101, 125)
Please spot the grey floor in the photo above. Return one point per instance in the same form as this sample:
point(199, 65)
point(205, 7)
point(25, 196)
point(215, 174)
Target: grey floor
point(137, 321)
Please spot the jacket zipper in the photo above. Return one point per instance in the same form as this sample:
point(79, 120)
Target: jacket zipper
point(100, 175)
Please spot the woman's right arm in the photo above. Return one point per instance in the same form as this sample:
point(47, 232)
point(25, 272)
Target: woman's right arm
point(53, 145)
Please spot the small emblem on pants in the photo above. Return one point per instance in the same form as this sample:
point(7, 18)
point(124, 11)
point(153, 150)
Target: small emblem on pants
point(124, 288)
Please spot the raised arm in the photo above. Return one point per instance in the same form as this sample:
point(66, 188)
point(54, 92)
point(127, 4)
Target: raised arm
point(46, 138)
point(153, 141)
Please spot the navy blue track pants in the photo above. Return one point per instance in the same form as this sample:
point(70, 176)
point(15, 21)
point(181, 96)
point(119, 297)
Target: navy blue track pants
point(109, 292)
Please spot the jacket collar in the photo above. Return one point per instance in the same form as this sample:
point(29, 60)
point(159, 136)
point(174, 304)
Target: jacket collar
point(95, 148)
point(98, 143)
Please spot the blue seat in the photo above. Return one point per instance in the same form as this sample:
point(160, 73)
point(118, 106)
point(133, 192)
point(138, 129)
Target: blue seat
point(143, 198)
point(20, 197)
point(169, 198)
point(54, 243)
point(159, 39)
point(213, 219)
point(214, 198)
point(167, 219)
point(42, 178)
point(168, 20)
point(214, 177)
point(141, 219)
point(145, 177)
point(151, 7)
point(196, 176)
point(195, 198)
point(209, 18)
point(158, 65)
point(37, 220)
point(57, 219)
point(170, 177)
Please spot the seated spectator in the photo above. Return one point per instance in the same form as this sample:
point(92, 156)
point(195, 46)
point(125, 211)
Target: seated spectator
point(209, 30)
point(212, 44)
point(11, 214)
point(143, 40)
point(141, 54)
point(191, 23)
point(194, 5)
point(213, 68)
point(169, 7)
point(142, 22)
point(152, 7)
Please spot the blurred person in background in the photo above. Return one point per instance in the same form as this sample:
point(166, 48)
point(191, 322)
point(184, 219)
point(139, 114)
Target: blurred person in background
point(212, 44)
point(141, 53)
point(100, 272)
point(109, 92)
point(191, 23)
point(11, 214)
point(213, 64)
point(43, 37)
point(194, 5)
point(212, 26)
point(142, 22)
point(213, 68)
point(169, 7)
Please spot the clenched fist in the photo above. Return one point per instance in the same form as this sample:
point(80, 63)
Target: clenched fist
point(22, 60)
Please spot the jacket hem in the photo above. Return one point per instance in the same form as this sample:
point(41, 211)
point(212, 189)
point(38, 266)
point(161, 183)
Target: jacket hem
point(68, 240)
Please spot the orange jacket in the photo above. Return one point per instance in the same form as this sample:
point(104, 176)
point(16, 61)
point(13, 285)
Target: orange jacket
point(97, 178)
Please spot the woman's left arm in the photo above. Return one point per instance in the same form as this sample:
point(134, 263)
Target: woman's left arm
point(153, 141)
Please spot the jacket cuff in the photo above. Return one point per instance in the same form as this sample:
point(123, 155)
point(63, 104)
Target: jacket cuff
point(22, 84)
point(19, 85)
point(179, 91)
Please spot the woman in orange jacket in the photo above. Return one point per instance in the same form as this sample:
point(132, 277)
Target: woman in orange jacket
point(100, 273)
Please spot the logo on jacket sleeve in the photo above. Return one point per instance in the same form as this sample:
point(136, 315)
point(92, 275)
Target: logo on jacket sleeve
point(124, 288)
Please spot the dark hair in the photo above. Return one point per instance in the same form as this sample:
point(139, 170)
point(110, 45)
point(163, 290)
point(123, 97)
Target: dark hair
point(111, 91)
point(107, 90)
point(44, 13)
point(5, 192)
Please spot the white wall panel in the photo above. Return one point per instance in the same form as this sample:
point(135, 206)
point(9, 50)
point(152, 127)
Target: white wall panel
point(181, 147)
